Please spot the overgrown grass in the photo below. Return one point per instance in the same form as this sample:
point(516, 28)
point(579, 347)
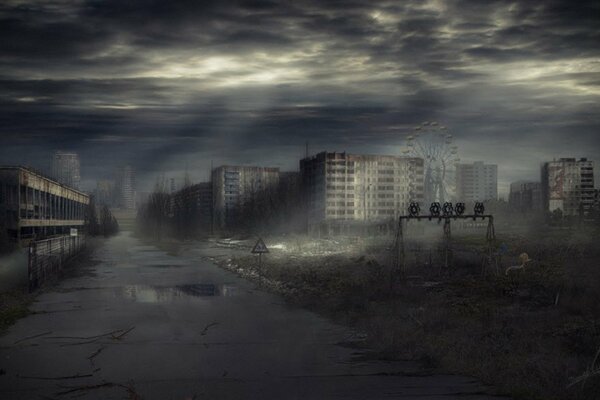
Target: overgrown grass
point(13, 306)
point(533, 334)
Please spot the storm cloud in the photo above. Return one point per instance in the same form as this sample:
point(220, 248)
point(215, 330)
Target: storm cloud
point(172, 85)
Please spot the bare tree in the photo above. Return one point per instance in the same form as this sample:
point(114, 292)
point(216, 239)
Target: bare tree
point(108, 223)
point(153, 217)
point(91, 218)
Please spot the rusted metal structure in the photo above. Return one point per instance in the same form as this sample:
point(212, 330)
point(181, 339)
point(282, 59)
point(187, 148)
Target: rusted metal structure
point(34, 207)
point(446, 213)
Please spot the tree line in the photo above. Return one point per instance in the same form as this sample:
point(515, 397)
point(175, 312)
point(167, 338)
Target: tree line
point(261, 209)
point(102, 222)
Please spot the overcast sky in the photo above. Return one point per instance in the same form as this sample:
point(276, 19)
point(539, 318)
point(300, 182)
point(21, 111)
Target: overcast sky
point(170, 85)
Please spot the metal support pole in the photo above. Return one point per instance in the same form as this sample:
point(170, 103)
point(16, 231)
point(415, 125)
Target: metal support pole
point(402, 251)
point(490, 237)
point(399, 265)
point(259, 269)
point(30, 265)
point(447, 245)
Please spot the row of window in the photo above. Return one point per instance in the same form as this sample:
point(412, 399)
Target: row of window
point(339, 187)
point(338, 170)
point(340, 204)
point(351, 204)
point(351, 212)
point(36, 204)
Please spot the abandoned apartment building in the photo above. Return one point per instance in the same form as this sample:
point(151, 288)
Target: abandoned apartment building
point(348, 193)
point(33, 206)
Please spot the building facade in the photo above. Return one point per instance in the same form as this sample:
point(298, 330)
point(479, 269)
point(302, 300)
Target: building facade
point(125, 188)
point(476, 182)
point(525, 197)
point(342, 191)
point(33, 206)
point(195, 202)
point(233, 186)
point(66, 169)
point(568, 185)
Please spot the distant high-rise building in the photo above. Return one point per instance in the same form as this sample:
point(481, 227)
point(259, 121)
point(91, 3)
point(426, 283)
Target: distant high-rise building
point(568, 185)
point(341, 190)
point(476, 182)
point(105, 192)
point(173, 185)
point(66, 168)
point(525, 197)
point(234, 185)
point(125, 188)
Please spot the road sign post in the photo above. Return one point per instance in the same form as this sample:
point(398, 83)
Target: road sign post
point(260, 248)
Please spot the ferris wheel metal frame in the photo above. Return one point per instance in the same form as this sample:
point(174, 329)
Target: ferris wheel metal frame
point(432, 142)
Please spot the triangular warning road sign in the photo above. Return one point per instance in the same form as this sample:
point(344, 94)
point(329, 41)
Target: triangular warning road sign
point(260, 247)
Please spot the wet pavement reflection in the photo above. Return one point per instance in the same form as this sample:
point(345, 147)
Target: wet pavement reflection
point(142, 323)
point(162, 294)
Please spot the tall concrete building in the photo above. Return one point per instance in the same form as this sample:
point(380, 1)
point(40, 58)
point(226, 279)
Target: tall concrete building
point(476, 182)
point(343, 191)
point(525, 197)
point(235, 185)
point(125, 188)
point(66, 169)
point(568, 185)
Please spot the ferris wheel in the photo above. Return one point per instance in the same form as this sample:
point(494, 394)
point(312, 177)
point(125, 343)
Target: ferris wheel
point(433, 143)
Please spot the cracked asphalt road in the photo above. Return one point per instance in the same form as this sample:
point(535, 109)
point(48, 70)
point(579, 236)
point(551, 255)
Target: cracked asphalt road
point(141, 322)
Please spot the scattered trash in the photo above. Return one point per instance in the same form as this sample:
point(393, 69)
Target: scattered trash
point(523, 258)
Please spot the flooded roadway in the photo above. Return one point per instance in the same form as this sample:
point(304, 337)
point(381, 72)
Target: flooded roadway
point(141, 322)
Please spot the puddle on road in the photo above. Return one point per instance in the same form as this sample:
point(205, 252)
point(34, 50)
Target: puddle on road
point(135, 249)
point(165, 294)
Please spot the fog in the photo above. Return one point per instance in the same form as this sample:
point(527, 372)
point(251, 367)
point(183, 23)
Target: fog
point(13, 270)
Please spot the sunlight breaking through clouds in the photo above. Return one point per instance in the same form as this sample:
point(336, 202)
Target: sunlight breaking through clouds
point(264, 77)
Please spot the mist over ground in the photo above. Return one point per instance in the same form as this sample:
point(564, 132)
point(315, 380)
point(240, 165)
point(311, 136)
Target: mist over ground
point(13, 270)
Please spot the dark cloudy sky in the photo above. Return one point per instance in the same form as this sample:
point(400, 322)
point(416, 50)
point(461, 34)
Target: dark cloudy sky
point(167, 84)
